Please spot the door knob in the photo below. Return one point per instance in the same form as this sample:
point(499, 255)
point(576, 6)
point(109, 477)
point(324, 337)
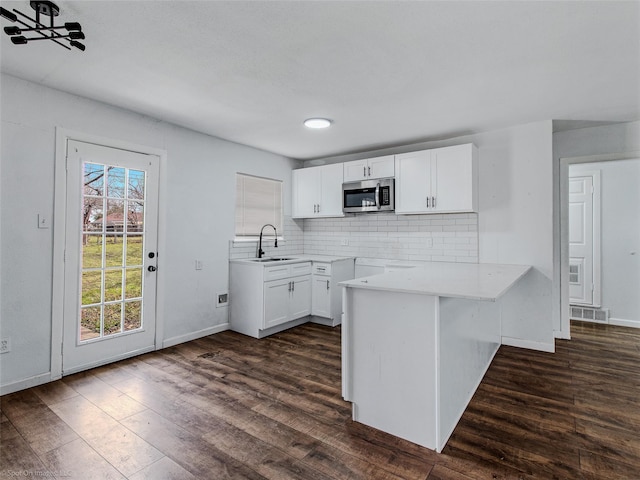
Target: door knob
point(151, 268)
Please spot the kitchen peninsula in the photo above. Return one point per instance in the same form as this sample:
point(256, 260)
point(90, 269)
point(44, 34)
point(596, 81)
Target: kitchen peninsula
point(416, 343)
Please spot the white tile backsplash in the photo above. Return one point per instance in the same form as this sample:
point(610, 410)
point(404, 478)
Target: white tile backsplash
point(291, 244)
point(437, 238)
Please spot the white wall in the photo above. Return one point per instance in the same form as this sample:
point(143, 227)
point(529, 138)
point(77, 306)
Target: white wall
point(197, 216)
point(620, 236)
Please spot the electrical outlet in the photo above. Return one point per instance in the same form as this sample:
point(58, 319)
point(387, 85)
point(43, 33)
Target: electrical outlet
point(5, 345)
point(198, 264)
point(223, 299)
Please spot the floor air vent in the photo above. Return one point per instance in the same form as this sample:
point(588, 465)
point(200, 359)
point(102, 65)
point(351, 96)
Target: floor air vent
point(589, 314)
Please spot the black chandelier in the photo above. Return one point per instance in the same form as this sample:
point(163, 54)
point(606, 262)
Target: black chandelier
point(72, 30)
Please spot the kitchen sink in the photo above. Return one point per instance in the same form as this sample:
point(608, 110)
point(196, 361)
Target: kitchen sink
point(270, 259)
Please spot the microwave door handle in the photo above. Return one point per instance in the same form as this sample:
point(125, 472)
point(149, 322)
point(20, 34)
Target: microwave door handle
point(378, 196)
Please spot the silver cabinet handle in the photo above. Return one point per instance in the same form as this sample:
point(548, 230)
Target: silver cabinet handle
point(364, 171)
point(318, 208)
point(293, 286)
point(369, 170)
point(427, 202)
point(289, 286)
point(327, 284)
point(433, 202)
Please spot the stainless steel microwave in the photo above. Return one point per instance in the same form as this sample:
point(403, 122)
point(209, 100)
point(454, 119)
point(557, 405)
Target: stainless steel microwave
point(368, 196)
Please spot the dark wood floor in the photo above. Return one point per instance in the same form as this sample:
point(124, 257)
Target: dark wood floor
point(228, 406)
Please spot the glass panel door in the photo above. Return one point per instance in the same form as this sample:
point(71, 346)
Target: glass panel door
point(111, 257)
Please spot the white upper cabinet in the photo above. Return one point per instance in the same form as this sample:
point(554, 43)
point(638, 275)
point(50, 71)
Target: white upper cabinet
point(317, 191)
point(442, 180)
point(369, 169)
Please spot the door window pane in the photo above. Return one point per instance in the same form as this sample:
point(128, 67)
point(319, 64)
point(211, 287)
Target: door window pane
point(112, 285)
point(115, 216)
point(135, 216)
point(136, 185)
point(132, 315)
point(134, 250)
point(113, 250)
point(90, 322)
point(91, 287)
point(93, 179)
point(91, 251)
point(115, 182)
point(112, 318)
point(133, 283)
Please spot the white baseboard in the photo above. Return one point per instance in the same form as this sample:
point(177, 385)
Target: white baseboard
point(622, 322)
point(26, 383)
point(170, 342)
point(531, 345)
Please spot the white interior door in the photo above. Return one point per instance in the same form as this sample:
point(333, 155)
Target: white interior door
point(110, 255)
point(584, 257)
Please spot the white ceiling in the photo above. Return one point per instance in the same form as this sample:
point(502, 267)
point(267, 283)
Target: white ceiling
point(387, 73)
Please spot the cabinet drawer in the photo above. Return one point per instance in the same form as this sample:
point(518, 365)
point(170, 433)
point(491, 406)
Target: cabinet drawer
point(298, 269)
point(277, 272)
point(321, 268)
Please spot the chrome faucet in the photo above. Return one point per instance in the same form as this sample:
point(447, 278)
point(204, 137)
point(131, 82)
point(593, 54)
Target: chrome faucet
point(275, 244)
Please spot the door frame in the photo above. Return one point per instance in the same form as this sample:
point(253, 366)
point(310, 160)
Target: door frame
point(597, 235)
point(563, 217)
point(60, 233)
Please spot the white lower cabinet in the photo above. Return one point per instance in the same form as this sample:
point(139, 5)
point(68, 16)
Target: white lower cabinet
point(286, 300)
point(326, 294)
point(321, 296)
point(267, 299)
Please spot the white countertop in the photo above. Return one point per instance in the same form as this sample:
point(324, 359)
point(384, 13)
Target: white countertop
point(477, 281)
point(325, 258)
point(294, 259)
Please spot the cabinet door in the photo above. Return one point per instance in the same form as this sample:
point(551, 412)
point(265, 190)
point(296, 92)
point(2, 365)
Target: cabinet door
point(330, 204)
point(306, 191)
point(300, 299)
point(355, 171)
point(381, 167)
point(453, 179)
point(321, 296)
point(412, 181)
point(277, 295)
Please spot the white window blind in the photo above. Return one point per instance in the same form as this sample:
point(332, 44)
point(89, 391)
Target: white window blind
point(258, 201)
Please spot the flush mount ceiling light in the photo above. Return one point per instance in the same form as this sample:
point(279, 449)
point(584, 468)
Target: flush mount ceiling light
point(317, 123)
point(72, 30)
